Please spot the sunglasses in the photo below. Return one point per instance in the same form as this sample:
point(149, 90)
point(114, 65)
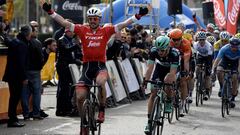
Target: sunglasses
point(202, 40)
point(235, 46)
point(161, 50)
point(93, 18)
point(224, 40)
point(178, 39)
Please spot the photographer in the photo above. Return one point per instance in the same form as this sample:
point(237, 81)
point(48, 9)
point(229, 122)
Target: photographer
point(140, 49)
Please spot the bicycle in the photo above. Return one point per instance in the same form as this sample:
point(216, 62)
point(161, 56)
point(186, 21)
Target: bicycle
point(90, 110)
point(225, 92)
point(177, 100)
point(200, 90)
point(158, 112)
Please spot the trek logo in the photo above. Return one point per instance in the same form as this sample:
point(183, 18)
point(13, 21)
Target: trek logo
point(94, 37)
point(93, 44)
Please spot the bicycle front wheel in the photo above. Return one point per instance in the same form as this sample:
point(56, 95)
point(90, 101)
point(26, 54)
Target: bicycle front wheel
point(187, 106)
point(177, 105)
point(96, 125)
point(198, 89)
point(170, 115)
point(156, 118)
point(86, 116)
point(224, 99)
point(223, 107)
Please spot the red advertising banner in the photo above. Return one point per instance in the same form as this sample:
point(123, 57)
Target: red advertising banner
point(219, 15)
point(232, 17)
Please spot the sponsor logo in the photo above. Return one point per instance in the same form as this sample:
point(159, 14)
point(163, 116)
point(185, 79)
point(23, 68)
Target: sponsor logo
point(71, 6)
point(93, 37)
point(218, 14)
point(233, 14)
point(93, 44)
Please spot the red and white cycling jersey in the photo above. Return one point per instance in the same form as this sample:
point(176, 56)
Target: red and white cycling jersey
point(94, 42)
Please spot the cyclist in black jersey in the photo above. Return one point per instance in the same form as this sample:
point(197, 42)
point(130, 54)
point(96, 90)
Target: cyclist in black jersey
point(166, 61)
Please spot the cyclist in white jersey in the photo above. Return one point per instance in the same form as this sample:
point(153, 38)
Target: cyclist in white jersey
point(204, 52)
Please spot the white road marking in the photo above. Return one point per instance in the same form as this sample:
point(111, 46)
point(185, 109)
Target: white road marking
point(60, 126)
point(122, 106)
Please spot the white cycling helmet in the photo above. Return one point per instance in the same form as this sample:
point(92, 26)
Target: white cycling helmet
point(94, 11)
point(201, 35)
point(224, 35)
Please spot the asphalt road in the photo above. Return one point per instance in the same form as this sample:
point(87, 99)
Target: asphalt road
point(130, 119)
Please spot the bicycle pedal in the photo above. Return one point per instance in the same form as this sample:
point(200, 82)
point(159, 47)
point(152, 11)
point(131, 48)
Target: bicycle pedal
point(84, 126)
point(159, 123)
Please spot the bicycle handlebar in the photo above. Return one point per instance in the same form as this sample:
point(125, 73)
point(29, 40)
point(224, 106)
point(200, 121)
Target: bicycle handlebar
point(201, 65)
point(160, 83)
point(228, 71)
point(86, 85)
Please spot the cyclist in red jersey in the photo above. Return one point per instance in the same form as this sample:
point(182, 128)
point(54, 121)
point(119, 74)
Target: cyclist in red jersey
point(94, 40)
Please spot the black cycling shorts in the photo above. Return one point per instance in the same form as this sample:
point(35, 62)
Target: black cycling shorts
point(160, 72)
point(90, 71)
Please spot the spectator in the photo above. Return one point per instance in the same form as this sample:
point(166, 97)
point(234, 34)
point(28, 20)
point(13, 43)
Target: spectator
point(34, 76)
point(50, 45)
point(58, 33)
point(16, 72)
point(65, 56)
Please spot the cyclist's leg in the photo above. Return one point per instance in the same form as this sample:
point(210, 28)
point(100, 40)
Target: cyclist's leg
point(81, 89)
point(151, 100)
point(183, 83)
point(168, 90)
point(199, 60)
point(183, 88)
point(208, 84)
point(220, 76)
point(234, 86)
point(191, 79)
point(156, 75)
point(184, 94)
point(101, 79)
point(81, 92)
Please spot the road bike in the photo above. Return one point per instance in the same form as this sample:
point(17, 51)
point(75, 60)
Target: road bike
point(90, 110)
point(200, 84)
point(158, 111)
point(226, 92)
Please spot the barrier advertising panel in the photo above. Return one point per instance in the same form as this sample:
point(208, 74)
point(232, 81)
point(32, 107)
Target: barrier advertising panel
point(129, 75)
point(139, 68)
point(115, 79)
point(144, 67)
point(108, 90)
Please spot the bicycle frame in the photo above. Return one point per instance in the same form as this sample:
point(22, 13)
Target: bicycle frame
point(157, 114)
point(226, 91)
point(200, 83)
point(90, 107)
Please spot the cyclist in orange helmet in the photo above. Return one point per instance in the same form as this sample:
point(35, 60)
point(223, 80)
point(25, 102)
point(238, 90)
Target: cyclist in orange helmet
point(184, 46)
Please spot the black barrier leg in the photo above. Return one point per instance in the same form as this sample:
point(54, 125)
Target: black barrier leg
point(112, 99)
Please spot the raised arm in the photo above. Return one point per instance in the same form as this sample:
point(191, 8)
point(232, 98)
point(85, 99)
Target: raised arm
point(136, 17)
point(47, 7)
